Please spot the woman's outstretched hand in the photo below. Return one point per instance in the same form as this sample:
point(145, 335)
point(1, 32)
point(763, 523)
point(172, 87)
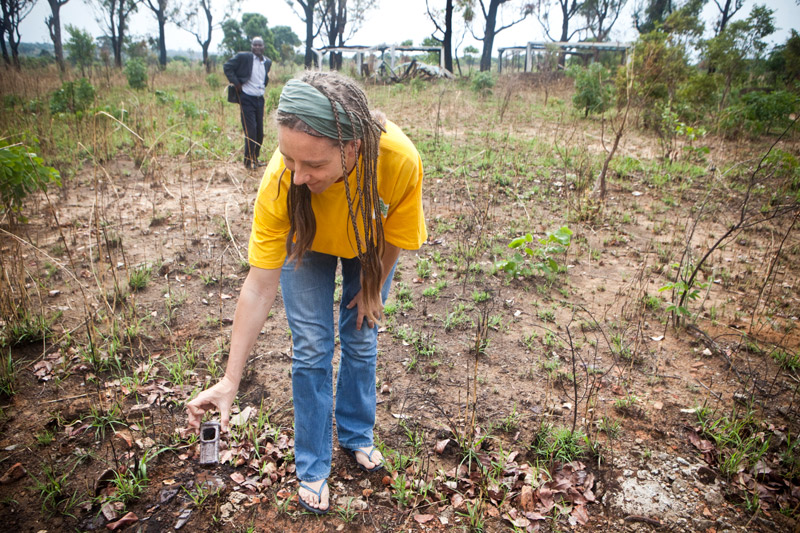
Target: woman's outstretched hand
point(219, 397)
point(373, 315)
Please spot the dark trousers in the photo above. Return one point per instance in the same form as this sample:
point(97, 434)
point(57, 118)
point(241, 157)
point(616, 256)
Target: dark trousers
point(252, 109)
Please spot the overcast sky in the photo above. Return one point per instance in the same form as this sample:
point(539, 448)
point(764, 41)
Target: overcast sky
point(392, 22)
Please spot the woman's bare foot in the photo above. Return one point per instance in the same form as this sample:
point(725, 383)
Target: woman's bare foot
point(315, 494)
point(369, 457)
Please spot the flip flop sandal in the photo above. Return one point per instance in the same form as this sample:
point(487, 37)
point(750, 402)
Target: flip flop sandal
point(306, 506)
point(352, 454)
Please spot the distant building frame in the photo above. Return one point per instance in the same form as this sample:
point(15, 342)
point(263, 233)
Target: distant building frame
point(566, 47)
point(360, 51)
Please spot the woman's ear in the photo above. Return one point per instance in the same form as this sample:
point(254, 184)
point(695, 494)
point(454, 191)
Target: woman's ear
point(355, 146)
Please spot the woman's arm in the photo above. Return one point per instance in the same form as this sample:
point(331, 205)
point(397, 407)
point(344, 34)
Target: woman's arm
point(373, 316)
point(255, 301)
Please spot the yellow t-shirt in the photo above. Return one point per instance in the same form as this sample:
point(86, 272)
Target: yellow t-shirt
point(399, 187)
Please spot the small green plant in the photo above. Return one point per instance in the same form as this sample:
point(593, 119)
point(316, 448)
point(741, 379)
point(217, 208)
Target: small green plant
point(481, 296)
point(22, 173)
point(46, 437)
point(402, 491)
point(8, 376)
point(423, 268)
point(529, 341)
point(457, 318)
point(511, 421)
point(396, 461)
point(52, 489)
point(652, 303)
point(136, 72)
point(619, 347)
point(559, 444)
point(551, 366)
point(182, 366)
point(199, 493)
point(786, 360)
point(433, 292)
point(474, 515)
point(347, 512)
point(626, 404)
point(737, 437)
point(72, 97)
point(105, 420)
point(543, 256)
point(415, 438)
point(683, 292)
point(483, 83)
point(140, 277)
point(610, 427)
point(26, 328)
point(213, 81)
point(546, 315)
point(127, 487)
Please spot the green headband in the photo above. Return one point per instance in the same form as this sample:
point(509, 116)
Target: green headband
point(312, 107)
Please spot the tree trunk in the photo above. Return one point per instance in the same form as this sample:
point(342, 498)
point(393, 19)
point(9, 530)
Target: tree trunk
point(207, 43)
point(206, 60)
point(54, 27)
point(13, 42)
point(116, 31)
point(5, 28)
point(162, 43)
point(6, 58)
point(562, 57)
point(724, 17)
point(447, 41)
point(488, 36)
point(308, 9)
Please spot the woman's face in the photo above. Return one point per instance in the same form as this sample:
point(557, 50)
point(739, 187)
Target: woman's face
point(315, 161)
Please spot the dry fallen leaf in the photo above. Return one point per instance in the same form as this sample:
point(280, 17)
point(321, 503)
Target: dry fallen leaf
point(580, 514)
point(517, 521)
point(441, 445)
point(423, 518)
point(701, 444)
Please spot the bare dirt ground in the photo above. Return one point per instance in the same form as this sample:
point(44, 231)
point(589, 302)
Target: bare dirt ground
point(464, 421)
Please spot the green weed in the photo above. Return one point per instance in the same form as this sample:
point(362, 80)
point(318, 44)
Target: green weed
point(8, 376)
point(559, 444)
point(140, 277)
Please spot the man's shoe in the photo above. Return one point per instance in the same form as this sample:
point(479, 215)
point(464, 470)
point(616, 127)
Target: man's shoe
point(247, 165)
point(261, 163)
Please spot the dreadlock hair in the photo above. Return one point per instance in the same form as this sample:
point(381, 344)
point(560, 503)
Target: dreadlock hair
point(366, 203)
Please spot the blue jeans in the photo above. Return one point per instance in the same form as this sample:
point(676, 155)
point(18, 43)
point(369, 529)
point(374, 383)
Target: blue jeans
point(308, 299)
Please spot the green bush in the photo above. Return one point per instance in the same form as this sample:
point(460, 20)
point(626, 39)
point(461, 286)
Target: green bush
point(659, 66)
point(22, 172)
point(483, 83)
point(10, 101)
point(697, 97)
point(73, 96)
point(758, 112)
point(273, 95)
point(592, 92)
point(136, 72)
point(213, 81)
point(165, 97)
point(785, 167)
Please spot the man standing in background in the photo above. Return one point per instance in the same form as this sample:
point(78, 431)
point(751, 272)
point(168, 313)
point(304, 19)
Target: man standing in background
point(248, 73)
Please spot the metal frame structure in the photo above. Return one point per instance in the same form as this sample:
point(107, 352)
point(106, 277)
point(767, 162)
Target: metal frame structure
point(566, 47)
point(360, 51)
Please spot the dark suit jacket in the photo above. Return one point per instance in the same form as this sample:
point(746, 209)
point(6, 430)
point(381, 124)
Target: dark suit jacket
point(238, 68)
